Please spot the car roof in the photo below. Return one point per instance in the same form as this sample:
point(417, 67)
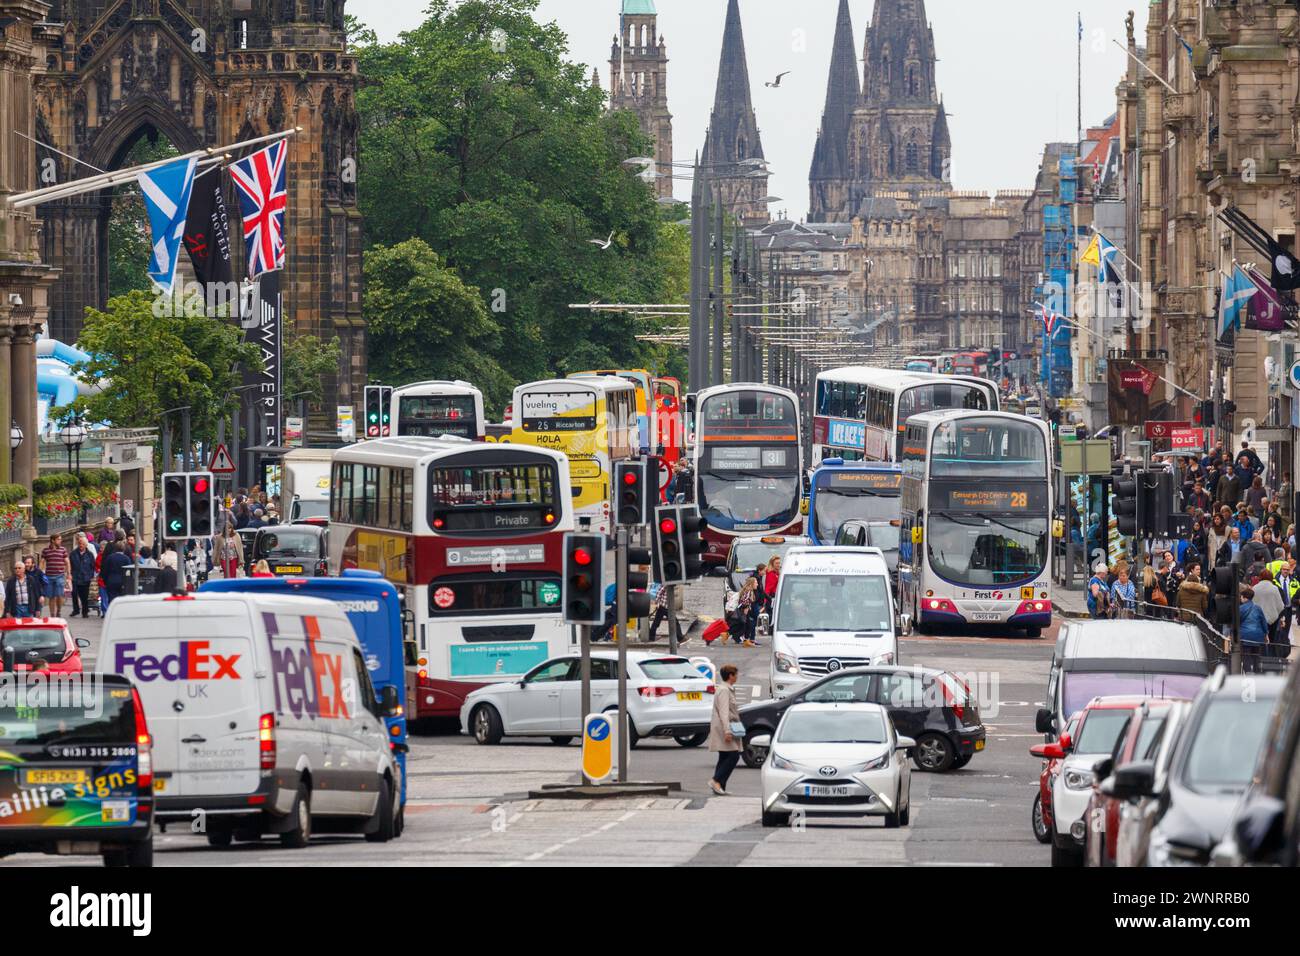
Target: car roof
point(1139, 640)
point(846, 705)
point(836, 559)
point(794, 540)
point(13, 623)
point(634, 656)
point(318, 528)
point(1118, 702)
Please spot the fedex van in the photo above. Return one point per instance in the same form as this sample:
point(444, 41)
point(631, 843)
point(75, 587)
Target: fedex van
point(833, 609)
point(263, 716)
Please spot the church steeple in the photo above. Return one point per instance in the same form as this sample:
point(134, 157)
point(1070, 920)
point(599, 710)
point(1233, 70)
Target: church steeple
point(830, 165)
point(733, 135)
point(898, 55)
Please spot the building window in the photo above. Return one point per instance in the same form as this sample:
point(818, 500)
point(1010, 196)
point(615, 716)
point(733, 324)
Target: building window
point(911, 158)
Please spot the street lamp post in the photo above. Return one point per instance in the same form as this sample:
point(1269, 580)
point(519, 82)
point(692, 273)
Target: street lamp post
point(15, 435)
point(73, 435)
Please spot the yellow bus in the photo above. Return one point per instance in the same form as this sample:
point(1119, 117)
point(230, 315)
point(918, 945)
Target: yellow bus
point(647, 426)
point(593, 422)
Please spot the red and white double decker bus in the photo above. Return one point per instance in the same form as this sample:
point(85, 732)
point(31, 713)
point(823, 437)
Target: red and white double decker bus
point(748, 459)
point(472, 533)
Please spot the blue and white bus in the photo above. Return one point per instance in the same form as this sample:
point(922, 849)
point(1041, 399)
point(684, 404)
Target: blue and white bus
point(846, 491)
point(975, 543)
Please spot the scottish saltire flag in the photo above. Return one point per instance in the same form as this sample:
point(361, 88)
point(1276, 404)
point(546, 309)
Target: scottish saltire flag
point(260, 182)
point(166, 192)
point(1108, 253)
point(1237, 291)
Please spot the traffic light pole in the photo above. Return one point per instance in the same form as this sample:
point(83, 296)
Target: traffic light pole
point(674, 636)
point(620, 625)
point(584, 636)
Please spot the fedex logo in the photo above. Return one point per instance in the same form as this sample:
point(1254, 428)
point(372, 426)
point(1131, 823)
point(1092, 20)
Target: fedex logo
point(191, 662)
point(307, 680)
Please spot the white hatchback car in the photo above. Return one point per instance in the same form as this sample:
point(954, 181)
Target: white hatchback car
point(837, 759)
point(667, 696)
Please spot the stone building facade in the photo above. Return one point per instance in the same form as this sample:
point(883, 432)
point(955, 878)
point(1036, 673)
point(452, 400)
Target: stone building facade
point(638, 81)
point(204, 73)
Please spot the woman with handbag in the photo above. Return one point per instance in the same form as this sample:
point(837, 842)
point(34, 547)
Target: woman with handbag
point(230, 552)
point(726, 731)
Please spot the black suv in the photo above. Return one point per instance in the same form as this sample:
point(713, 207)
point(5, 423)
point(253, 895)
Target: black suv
point(298, 550)
point(932, 707)
point(76, 770)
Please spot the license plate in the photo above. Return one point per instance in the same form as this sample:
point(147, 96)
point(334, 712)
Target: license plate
point(115, 811)
point(979, 745)
point(986, 617)
point(690, 695)
point(811, 791)
point(54, 776)
point(288, 569)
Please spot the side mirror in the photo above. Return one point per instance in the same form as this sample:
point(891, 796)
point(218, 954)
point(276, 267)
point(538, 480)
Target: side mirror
point(1128, 782)
point(390, 704)
point(1044, 722)
point(1066, 742)
point(82, 642)
point(1259, 828)
point(719, 571)
point(905, 743)
point(762, 741)
point(1047, 751)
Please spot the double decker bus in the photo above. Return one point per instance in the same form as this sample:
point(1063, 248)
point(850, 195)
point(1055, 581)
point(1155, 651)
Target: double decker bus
point(859, 411)
point(748, 460)
point(975, 542)
point(472, 534)
point(846, 491)
point(590, 420)
point(436, 408)
point(647, 427)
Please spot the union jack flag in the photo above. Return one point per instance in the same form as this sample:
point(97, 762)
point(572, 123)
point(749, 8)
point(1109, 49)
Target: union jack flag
point(260, 181)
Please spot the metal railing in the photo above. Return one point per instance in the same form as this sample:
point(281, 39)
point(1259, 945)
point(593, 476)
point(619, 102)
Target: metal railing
point(1220, 648)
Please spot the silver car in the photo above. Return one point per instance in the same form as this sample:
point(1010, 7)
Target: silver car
point(841, 759)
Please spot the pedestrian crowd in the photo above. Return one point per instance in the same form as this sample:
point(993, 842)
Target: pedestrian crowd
point(1238, 518)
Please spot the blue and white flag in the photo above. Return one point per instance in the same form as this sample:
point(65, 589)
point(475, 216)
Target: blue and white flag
point(1238, 290)
point(167, 198)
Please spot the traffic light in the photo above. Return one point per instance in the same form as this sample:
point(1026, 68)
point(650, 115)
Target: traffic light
point(374, 410)
point(583, 588)
point(633, 490)
point(638, 601)
point(202, 504)
point(1125, 488)
point(693, 541)
point(176, 510)
point(1225, 594)
point(385, 410)
point(669, 566)
point(1160, 489)
point(1204, 414)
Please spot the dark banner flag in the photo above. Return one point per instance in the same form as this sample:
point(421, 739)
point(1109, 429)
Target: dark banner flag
point(262, 328)
point(207, 236)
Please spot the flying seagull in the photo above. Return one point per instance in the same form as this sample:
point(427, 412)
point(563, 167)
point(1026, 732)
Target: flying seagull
point(603, 243)
point(777, 82)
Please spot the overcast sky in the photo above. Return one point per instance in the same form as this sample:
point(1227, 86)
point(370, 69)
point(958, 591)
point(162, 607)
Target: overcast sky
point(1007, 73)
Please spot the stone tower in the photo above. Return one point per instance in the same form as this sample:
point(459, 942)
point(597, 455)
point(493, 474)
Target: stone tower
point(205, 73)
point(638, 81)
point(829, 178)
point(898, 136)
point(733, 150)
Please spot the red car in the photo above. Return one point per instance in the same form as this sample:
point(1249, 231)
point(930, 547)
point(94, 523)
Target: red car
point(1042, 818)
point(1137, 742)
point(31, 639)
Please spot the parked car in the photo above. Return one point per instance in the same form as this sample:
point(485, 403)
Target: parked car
point(1137, 815)
point(31, 640)
point(837, 759)
point(861, 533)
point(1211, 768)
point(668, 696)
point(83, 759)
point(298, 550)
point(933, 707)
point(1265, 827)
point(1101, 722)
point(1138, 741)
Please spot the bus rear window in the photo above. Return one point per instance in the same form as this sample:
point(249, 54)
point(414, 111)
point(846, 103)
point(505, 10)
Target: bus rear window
point(494, 594)
point(482, 497)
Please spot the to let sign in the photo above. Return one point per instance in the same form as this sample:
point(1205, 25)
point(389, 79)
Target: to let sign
point(1186, 438)
point(1165, 429)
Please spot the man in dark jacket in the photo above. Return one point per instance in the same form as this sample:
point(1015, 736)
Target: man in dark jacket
point(1228, 490)
point(1252, 460)
point(82, 562)
point(23, 595)
point(113, 570)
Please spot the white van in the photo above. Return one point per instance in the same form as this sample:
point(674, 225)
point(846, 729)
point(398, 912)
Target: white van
point(262, 713)
point(833, 609)
point(306, 484)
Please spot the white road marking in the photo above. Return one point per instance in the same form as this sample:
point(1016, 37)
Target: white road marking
point(533, 857)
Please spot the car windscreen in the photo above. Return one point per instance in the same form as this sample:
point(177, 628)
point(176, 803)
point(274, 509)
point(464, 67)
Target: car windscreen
point(288, 544)
point(1101, 728)
point(1221, 758)
point(832, 727)
point(1079, 687)
point(68, 710)
point(48, 643)
point(670, 668)
point(834, 602)
point(311, 508)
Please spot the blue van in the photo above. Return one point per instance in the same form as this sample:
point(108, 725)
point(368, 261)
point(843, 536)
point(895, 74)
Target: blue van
point(374, 608)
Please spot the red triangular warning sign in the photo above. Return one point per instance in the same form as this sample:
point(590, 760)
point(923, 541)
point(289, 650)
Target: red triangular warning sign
point(222, 463)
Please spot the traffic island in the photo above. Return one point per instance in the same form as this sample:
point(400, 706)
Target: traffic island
point(590, 791)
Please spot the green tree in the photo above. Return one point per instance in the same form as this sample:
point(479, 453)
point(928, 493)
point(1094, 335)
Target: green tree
point(505, 162)
point(307, 362)
point(424, 322)
point(150, 361)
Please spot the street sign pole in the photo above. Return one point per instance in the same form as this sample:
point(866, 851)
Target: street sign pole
point(620, 625)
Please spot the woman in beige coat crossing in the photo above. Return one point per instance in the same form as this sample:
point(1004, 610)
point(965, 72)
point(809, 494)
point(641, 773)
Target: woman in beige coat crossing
point(723, 726)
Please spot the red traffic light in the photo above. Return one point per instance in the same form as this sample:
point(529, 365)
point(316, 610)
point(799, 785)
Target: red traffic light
point(581, 556)
point(629, 477)
point(668, 526)
point(201, 485)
